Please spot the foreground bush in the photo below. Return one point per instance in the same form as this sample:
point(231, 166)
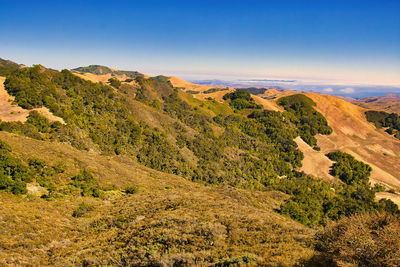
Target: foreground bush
point(82, 209)
point(362, 240)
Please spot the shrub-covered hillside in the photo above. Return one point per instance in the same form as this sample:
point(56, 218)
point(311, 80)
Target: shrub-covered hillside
point(7, 66)
point(195, 140)
point(228, 144)
point(203, 141)
point(142, 217)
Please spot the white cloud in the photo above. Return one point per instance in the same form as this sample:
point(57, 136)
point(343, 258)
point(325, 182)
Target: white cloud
point(348, 90)
point(328, 90)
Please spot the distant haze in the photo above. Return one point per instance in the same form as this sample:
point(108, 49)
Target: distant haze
point(352, 43)
point(349, 90)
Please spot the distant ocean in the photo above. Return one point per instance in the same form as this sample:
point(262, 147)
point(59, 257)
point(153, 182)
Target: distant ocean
point(348, 90)
point(354, 91)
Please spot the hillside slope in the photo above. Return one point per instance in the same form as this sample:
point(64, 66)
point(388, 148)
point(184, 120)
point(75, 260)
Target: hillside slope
point(177, 82)
point(389, 103)
point(352, 133)
point(314, 162)
point(203, 92)
point(98, 73)
point(201, 225)
point(144, 173)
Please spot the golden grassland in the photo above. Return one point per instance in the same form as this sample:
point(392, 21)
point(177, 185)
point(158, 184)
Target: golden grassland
point(353, 134)
point(170, 220)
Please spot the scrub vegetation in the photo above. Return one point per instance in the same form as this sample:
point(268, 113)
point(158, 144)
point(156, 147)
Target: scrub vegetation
point(390, 121)
point(157, 177)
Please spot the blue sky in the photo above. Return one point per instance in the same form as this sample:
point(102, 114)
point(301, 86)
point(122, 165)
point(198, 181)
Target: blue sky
point(331, 41)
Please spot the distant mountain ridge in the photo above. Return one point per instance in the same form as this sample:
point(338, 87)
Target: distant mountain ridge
point(101, 70)
point(388, 103)
point(7, 66)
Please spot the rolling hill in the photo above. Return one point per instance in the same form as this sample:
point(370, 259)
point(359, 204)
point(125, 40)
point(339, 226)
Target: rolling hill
point(389, 103)
point(98, 73)
point(159, 171)
point(352, 133)
point(211, 220)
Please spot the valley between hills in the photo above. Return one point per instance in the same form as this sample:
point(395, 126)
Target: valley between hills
point(108, 167)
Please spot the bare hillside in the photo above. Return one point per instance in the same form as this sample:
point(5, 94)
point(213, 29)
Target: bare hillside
point(177, 82)
point(314, 162)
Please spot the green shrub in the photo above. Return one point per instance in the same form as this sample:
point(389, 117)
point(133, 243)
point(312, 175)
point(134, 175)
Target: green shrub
point(317, 202)
point(131, 190)
point(114, 82)
point(20, 128)
point(384, 119)
point(13, 173)
point(379, 188)
point(7, 67)
point(254, 90)
point(348, 169)
point(87, 183)
point(213, 90)
point(4, 147)
point(82, 209)
point(305, 117)
point(240, 99)
point(41, 123)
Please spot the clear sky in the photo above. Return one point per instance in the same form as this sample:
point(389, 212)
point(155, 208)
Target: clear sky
point(326, 40)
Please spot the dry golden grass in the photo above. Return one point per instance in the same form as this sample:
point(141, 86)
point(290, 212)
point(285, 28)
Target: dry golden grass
point(103, 78)
point(267, 104)
point(216, 95)
point(170, 219)
point(314, 162)
point(176, 82)
point(353, 134)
